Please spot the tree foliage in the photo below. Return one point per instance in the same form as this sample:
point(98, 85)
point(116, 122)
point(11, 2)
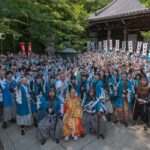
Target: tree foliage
point(37, 20)
point(147, 4)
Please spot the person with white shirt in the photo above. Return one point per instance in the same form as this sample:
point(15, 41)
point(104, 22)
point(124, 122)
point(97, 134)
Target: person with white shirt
point(23, 109)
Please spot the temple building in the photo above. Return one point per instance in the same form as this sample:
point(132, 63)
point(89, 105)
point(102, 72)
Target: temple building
point(122, 20)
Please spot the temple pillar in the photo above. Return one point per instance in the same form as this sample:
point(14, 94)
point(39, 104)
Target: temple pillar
point(125, 34)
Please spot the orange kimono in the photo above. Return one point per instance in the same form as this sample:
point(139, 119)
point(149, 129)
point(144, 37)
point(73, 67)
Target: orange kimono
point(72, 117)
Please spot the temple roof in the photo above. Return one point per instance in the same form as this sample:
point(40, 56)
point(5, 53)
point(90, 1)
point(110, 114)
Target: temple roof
point(117, 9)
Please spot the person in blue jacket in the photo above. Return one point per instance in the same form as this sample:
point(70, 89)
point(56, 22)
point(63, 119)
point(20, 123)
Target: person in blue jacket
point(92, 106)
point(98, 86)
point(8, 86)
point(127, 98)
point(50, 83)
point(50, 123)
point(83, 86)
point(23, 109)
point(115, 93)
point(36, 92)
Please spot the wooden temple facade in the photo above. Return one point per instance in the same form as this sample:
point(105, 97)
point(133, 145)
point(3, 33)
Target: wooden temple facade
point(122, 20)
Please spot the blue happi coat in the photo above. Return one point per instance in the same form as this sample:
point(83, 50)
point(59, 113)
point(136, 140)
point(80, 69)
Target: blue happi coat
point(118, 100)
point(47, 88)
point(86, 87)
point(131, 95)
point(44, 104)
point(37, 93)
point(23, 108)
point(99, 88)
point(98, 107)
point(6, 92)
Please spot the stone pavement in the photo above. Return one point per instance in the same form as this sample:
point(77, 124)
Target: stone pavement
point(118, 138)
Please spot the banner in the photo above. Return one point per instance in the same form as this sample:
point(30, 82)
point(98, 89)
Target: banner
point(89, 45)
point(124, 46)
point(130, 46)
point(22, 45)
point(93, 46)
point(29, 48)
point(145, 49)
point(117, 45)
point(100, 45)
point(139, 46)
point(110, 45)
point(105, 45)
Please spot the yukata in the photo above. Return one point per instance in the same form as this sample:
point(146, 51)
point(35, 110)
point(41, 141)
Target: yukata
point(9, 110)
point(51, 111)
point(91, 106)
point(72, 117)
point(23, 108)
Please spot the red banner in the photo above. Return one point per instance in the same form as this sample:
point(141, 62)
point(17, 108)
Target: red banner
point(22, 45)
point(29, 48)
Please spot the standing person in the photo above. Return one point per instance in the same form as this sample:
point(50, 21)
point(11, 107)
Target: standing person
point(127, 98)
point(98, 86)
point(50, 118)
point(23, 109)
point(36, 92)
point(115, 93)
point(84, 86)
point(91, 107)
point(72, 116)
point(8, 89)
point(141, 102)
point(107, 103)
point(73, 84)
point(62, 86)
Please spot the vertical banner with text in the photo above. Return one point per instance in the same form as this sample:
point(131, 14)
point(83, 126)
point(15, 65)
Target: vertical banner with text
point(124, 46)
point(22, 45)
point(99, 45)
point(105, 45)
point(139, 46)
point(117, 45)
point(93, 46)
point(29, 48)
point(145, 49)
point(88, 45)
point(110, 45)
point(130, 46)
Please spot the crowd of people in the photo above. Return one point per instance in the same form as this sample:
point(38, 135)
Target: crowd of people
point(74, 97)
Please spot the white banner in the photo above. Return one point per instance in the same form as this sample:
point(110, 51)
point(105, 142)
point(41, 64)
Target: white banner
point(130, 46)
point(88, 45)
point(105, 45)
point(139, 46)
point(117, 47)
point(100, 45)
point(93, 46)
point(124, 46)
point(145, 49)
point(110, 45)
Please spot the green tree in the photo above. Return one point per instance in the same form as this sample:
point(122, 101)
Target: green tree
point(147, 4)
point(37, 20)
